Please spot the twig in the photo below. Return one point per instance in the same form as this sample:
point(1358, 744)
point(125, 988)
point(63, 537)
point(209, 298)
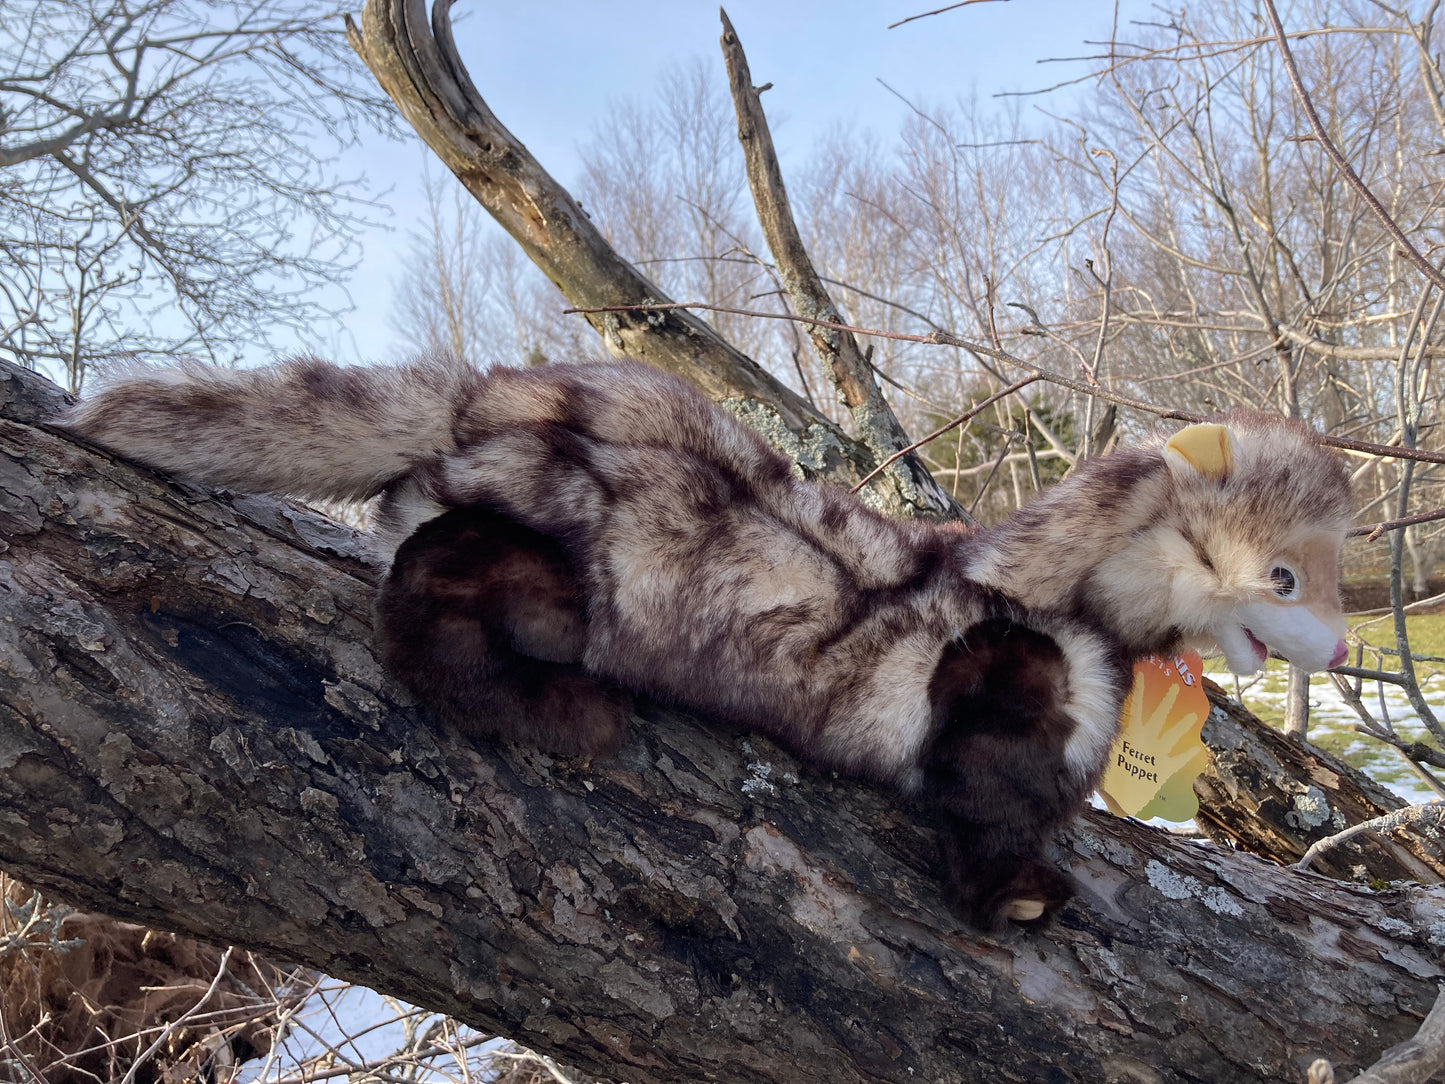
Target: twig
point(1373, 533)
point(1371, 675)
point(940, 11)
point(1410, 607)
point(419, 67)
point(531, 1057)
point(990, 297)
point(988, 479)
point(1430, 815)
point(1414, 654)
point(965, 416)
point(1417, 766)
point(177, 1023)
point(1032, 451)
point(1106, 284)
point(877, 426)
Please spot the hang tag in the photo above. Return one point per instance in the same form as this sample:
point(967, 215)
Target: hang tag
point(1158, 754)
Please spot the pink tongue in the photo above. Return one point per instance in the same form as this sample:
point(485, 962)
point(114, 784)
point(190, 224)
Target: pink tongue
point(1260, 651)
point(1341, 655)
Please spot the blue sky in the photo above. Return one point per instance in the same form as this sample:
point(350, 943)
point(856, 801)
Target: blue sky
point(549, 71)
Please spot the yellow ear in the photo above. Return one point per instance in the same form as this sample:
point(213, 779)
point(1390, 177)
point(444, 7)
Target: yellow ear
point(1207, 449)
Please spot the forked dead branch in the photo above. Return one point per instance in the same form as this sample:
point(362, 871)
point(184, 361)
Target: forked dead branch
point(425, 77)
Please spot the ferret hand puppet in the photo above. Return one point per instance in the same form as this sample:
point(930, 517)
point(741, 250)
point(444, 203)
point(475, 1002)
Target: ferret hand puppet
point(570, 536)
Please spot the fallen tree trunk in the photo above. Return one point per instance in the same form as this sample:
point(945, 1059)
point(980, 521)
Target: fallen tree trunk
point(195, 735)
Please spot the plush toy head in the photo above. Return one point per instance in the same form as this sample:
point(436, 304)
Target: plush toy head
point(1264, 511)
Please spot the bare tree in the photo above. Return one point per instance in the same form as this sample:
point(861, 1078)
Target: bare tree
point(155, 158)
point(441, 296)
point(465, 289)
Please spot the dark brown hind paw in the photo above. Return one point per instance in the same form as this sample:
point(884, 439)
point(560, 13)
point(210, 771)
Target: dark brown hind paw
point(1029, 896)
point(1035, 895)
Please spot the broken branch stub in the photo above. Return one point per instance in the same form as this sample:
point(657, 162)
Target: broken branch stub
point(850, 371)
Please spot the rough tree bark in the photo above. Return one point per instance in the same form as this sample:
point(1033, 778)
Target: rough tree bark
point(1270, 795)
point(195, 735)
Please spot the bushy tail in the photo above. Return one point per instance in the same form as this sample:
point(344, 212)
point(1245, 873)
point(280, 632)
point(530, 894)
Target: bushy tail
point(303, 427)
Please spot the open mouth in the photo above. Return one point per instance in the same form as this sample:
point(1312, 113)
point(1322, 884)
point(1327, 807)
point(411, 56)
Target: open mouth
point(1261, 653)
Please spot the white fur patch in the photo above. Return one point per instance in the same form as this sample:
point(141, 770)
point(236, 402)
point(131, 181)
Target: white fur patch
point(1239, 654)
point(984, 564)
point(886, 729)
point(408, 510)
point(1093, 703)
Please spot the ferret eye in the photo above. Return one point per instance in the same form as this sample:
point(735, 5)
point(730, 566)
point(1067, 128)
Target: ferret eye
point(1285, 582)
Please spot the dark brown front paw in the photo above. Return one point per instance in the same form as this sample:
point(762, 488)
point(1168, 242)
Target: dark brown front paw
point(1029, 894)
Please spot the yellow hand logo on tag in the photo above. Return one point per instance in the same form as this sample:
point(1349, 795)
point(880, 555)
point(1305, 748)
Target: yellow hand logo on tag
point(1158, 753)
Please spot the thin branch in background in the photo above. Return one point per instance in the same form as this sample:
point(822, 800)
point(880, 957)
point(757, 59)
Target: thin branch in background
point(1415, 655)
point(1415, 754)
point(944, 338)
point(176, 1024)
point(1371, 675)
point(960, 420)
point(1431, 815)
point(990, 299)
point(1373, 533)
point(1106, 285)
point(940, 11)
point(957, 459)
point(1002, 452)
point(877, 424)
point(1028, 435)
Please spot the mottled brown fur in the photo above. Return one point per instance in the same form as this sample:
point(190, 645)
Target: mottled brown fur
point(594, 531)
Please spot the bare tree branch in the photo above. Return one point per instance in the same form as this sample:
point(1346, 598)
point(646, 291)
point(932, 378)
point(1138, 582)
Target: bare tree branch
point(940, 11)
point(843, 360)
point(945, 338)
point(419, 68)
point(954, 424)
point(1430, 815)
